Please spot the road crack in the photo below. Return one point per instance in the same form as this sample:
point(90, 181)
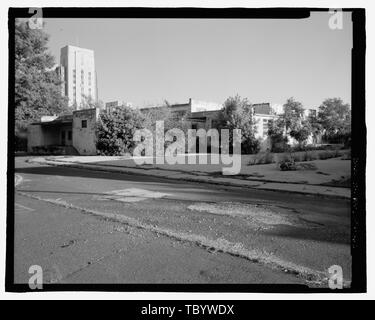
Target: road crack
point(91, 263)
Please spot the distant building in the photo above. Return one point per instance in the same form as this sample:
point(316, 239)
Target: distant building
point(277, 108)
point(206, 118)
point(204, 115)
point(75, 133)
point(192, 106)
point(310, 112)
point(113, 105)
point(262, 108)
point(263, 114)
point(78, 72)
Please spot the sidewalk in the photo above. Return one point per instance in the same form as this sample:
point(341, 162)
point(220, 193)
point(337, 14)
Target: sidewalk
point(264, 177)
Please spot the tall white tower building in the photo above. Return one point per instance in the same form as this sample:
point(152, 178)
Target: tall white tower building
point(79, 75)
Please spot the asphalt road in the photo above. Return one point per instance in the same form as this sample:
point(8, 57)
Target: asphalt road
point(83, 226)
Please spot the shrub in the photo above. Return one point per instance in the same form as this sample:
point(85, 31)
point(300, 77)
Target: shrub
point(250, 146)
point(300, 147)
point(311, 147)
point(279, 142)
point(279, 147)
point(262, 158)
point(323, 155)
point(336, 153)
point(310, 156)
point(301, 132)
point(115, 131)
point(337, 138)
point(269, 157)
point(20, 143)
point(237, 114)
point(298, 157)
point(287, 165)
point(305, 156)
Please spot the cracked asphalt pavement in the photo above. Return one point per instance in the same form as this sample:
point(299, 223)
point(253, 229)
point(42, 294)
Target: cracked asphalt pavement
point(83, 226)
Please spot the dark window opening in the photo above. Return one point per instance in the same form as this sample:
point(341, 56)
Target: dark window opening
point(69, 135)
point(84, 123)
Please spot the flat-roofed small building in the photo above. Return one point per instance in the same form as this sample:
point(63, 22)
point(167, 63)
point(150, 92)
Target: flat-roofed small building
point(68, 134)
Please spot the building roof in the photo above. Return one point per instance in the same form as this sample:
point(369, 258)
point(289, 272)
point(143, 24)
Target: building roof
point(78, 48)
point(262, 108)
point(172, 106)
point(63, 119)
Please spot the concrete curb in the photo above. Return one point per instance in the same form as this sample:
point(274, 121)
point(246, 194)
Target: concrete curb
point(187, 177)
point(194, 173)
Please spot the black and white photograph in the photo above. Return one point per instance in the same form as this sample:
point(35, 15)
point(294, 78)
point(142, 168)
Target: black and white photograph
point(186, 149)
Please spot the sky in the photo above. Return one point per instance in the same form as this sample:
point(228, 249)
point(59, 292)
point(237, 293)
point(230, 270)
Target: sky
point(147, 61)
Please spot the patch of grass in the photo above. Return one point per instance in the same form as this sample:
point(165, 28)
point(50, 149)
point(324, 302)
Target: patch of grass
point(302, 156)
point(344, 182)
point(310, 156)
point(328, 154)
point(262, 158)
point(306, 166)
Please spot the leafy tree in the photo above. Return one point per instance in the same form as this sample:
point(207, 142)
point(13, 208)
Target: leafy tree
point(295, 124)
point(301, 132)
point(276, 132)
point(37, 85)
point(237, 114)
point(293, 114)
point(115, 131)
point(316, 127)
point(335, 118)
